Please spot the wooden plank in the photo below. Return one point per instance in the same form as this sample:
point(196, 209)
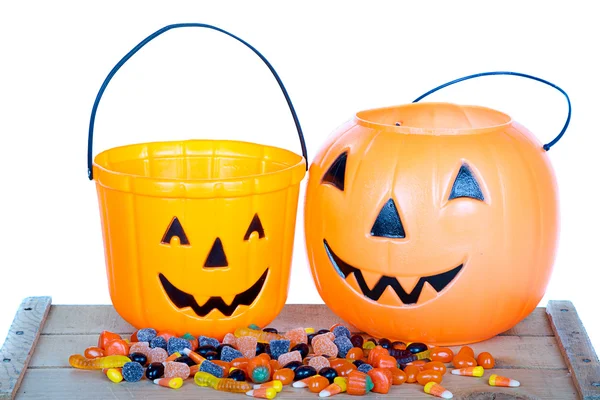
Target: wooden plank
point(93, 319)
point(509, 351)
point(76, 384)
point(20, 343)
point(576, 348)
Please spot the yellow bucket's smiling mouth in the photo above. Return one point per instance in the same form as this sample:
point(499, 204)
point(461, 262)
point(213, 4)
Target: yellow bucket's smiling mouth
point(182, 299)
point(439, 282)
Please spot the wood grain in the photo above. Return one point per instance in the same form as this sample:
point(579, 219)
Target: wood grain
point(75, 384)
point(93, 319)
point(576, 347)
point(20, 343)
point(509, 351)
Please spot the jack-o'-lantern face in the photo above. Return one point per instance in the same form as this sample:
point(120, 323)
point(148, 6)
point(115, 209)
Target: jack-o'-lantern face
point(425, 231)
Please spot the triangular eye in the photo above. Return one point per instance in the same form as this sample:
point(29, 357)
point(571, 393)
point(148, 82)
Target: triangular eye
point(255, 226)
point(465, 185)
point(175, 229)
point(388, 222)
point(336, 174)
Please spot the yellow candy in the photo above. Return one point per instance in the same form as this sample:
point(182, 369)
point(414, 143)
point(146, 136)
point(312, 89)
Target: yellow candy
point(114, 375)
point(309, 330)
point(368, 345)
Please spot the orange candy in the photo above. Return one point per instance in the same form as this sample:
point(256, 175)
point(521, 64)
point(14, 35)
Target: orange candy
point(275, 364)
point(357, 383)
point(486, 360)
point(355, 353)
point(317, 383)
point(285, 375)
point(382, 379)
point(419, 364)
point(385, 361)
point(240, 363)
point(106, 337)
point(436, 366)
point(466, 350)
point(398, 376)
point(256, 363)
point(442, 354)
point(375, 353)
point(337, 362)
point(117, 347)
point(429, 376)
point(93, 352)
point(318, 363)
point(462, 361)
point(225, 365)
point(345, 368)
point(411, 372)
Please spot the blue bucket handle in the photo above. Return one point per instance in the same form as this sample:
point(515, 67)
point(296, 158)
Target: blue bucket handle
point(547, 146)
point(154, 35)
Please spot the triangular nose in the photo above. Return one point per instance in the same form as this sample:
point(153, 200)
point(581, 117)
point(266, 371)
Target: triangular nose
point(388, 222)
point(216, 257)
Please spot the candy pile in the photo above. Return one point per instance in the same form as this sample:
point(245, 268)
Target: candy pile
point(260, 362)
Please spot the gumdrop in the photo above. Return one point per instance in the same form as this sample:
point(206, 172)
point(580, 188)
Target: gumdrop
point(230, 339)
point(341, 330)
point(247, 345)
point(211, 368)
point(365, 367)
point(229, 353)
point(324, 347)
point(176, 345)
point(296, 336)
point(279, 347)
point(132, 371)
point(159, 341)
point(204, 341)
point(319, 363)
point(146, 334)
point(328, 335)
point(289, 357)
point(157, 354)
point(343, 344)
point(176, 369)
point(140, 347)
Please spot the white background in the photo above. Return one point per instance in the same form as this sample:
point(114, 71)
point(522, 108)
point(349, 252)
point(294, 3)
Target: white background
point(335, 58)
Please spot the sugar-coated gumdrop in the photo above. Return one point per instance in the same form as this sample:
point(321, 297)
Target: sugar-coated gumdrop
point(211, 368)
point(297, 335)
point(157, 354)
point(229, 354)
point(343, 344)
point(146, 334)
point(230, 339)
point(365, 367)
point(328, 335)
point(205, 340)
point(140, 347)
point(319, 363)
point(132, 371)
point(279, 347)
point(176, 345)
point(176, 369)
point(158, 341)
point(247, 345)
point(324, 346)
point(341, 330)
point(289, 357)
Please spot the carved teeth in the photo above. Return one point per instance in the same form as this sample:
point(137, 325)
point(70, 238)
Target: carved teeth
point(371, 278)
point(228, 299)
point(201, 300)
point(390, 298)
point(427, 293)
point(408, 282)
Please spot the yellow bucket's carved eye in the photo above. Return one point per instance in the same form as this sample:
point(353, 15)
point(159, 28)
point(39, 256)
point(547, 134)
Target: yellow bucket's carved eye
point(255, 226)
point(175, 229)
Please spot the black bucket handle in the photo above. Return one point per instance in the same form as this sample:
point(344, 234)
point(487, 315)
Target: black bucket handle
point(548, 145)
point(154, 35)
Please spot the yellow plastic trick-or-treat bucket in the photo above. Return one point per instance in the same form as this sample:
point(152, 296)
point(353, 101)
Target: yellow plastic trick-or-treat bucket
point(198, 234)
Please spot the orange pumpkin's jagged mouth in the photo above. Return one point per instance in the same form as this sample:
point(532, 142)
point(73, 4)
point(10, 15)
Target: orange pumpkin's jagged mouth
point(182, 299)
point(438, 282)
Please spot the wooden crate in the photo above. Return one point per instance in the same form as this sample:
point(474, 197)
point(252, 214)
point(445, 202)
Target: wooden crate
point(549, 353)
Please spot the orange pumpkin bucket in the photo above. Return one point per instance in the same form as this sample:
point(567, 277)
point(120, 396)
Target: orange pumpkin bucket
point(198, 234)
point(432, 222)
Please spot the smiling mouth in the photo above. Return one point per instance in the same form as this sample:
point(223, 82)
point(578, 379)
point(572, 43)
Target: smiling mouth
point(439, 282)
point(182, 299)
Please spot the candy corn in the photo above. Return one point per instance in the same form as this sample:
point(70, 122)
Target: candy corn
point(468, 371)
point(275, 384)
point(437, 390)
point(173, 383)
point(263, 393)
point(497, 380)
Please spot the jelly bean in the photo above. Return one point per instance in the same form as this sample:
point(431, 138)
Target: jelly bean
point(212, 355)
point(372, 340)
point(265, 393)
point(322, 331)
point(272, 330)
point(155, 370)
point(302, 348)
point(437, 390)
point(328, 373)
point(310, 337)
point(462, 361)
point(262, 348)
point(486, 360)
point(497, 380)
point(357, 340)
point(382, 379)
point(411, 372)
point(285, 375)
point(303, 372)
point(116, 347)
point(345, 368)
point(259, 369)
point(261, 336)
point(186, 360)
point(139, 358)
point(442, 354)
point(358, 363)
point(398, 376)
point(429, 376)
point(173, 383)
point(309, 330)
point(359, 383)
point(204, 379)
point(399, 345)
point(202, 350)
point(385, 343)
point(339, 385)
point(238, 375)
point(114, 374)
point(466, 350)
point(93, 352)
point(293, 365)
point(106, 337)
point(79, 361)
point(275, 384)
point(385, 361)
point(317, 383)
point(336, 362)
point(241, 363)
point(436, 366)
point(419, 364)
point(368, 345)
point(416, 347)
point(274, 364)
point(469, 371)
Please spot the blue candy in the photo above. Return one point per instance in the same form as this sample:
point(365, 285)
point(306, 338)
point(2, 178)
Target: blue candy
point(343, 344)
point(341, 330)
point(176, 344)
point(365, 367)
point(146, 334)
point(158, 341)
point(208, 341)
point(132, 371)
point(229, 353)
point(211, 368)
point(279, 347)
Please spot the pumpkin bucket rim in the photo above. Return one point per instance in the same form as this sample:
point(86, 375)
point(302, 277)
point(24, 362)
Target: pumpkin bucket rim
point(378, 118)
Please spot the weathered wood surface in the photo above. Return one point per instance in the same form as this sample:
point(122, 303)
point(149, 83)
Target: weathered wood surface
point(20, 343)
point(529, 353)
point(576, 348)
